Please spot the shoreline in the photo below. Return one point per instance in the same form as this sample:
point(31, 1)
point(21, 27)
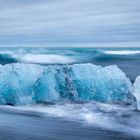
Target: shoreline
point(27, 126)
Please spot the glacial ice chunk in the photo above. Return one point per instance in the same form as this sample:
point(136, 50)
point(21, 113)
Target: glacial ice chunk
point(137, 91)
point(45, 86)
point(16, 81)
point(108, 84)
point(29, 83)
point(85, 82)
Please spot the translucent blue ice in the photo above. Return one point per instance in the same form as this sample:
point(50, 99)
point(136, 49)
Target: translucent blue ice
point(16, 82)
point(28, 83)
point(137, 90)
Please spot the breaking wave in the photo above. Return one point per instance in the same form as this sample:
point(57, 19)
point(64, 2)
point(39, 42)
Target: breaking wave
point(8, 57)
point(46, 59)
point(122, 52)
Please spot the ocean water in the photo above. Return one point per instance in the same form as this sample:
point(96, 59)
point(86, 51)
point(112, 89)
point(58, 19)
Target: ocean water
point(69, 93)
point(128, 59)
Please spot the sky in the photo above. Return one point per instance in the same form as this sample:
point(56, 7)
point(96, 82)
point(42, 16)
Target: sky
point(59, 22)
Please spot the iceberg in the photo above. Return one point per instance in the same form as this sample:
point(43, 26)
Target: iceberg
point(108, 84)
point(22, 84)
point(84, 82)
point(137, 91)
point(45, 86)
point(16, 81)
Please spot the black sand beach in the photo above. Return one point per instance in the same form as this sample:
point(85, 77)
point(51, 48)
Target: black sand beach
point(15, 125)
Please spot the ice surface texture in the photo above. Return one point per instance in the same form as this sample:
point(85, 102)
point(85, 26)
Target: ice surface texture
point(28, 83)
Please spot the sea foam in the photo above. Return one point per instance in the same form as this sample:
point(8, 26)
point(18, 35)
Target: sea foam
point(122, 52)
